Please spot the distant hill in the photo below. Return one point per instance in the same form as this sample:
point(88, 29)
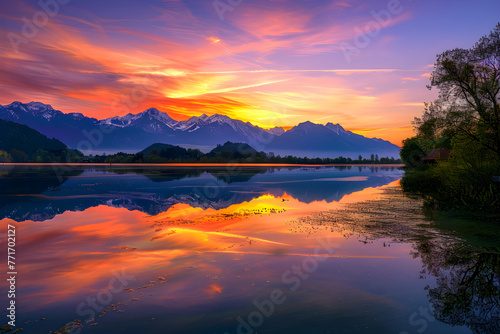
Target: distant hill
point(228, 152)
point(166, 151)
point(24, 144)
point(242, 148)
point(157, 146)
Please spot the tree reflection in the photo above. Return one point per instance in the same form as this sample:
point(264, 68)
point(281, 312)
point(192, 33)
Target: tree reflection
point(467, 288)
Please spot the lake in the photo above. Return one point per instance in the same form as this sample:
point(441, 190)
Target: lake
point(240, 249)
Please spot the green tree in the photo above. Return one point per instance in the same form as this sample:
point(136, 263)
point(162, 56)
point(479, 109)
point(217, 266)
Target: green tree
point(411, 152)
point(469, 95)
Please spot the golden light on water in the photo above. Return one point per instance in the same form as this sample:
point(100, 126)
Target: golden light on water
point(81, 248)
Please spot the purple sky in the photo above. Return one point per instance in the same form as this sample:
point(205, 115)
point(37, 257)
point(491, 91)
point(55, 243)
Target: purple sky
point(364, 64)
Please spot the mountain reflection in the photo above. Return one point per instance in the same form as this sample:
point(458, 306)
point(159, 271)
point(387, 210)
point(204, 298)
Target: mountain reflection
point(213, 240)
point(40, 194)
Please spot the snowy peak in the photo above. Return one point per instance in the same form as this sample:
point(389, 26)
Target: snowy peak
point(118, 121)
point(163, 117)
point(192, 124)
point(36, 109)
point(203, 117)
point(195, 122)
point(31, 106)
point(38, 106)
point(147, 116)
point(219, 118)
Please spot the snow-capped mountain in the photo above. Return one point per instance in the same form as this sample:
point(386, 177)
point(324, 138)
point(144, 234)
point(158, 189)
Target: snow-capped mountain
point(197, 122)
point(34, 109)
point(151, 119)
point(134, 132)
point(155, 121)
point(192, 124)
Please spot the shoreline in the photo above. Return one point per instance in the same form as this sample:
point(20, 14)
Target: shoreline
point(180, 164)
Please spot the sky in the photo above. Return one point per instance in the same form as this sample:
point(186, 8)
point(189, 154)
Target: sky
point(362, 63)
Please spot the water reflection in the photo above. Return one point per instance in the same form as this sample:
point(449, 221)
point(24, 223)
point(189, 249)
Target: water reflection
point(461, 257)
point(204, 244)
point(42, 193)
point(191, 263)
point(468, 284)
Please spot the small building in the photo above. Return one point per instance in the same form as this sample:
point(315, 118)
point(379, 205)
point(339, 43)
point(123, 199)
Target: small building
point(437, 154)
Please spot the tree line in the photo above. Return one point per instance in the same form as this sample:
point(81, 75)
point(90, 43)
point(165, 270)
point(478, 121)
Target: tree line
point(465, 118)
point(180, 155)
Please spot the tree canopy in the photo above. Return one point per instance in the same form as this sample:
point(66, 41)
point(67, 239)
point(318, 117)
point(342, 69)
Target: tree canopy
point(465, 118)
point(468, 105)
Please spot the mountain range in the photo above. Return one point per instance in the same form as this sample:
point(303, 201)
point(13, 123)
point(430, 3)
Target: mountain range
point(134, 132)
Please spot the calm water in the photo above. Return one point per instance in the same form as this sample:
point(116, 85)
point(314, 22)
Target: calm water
point(246, 250)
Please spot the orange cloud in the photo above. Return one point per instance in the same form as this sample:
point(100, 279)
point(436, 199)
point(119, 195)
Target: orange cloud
point(103, 67)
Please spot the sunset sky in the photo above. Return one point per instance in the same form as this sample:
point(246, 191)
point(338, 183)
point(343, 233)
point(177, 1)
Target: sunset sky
point(270, 62)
